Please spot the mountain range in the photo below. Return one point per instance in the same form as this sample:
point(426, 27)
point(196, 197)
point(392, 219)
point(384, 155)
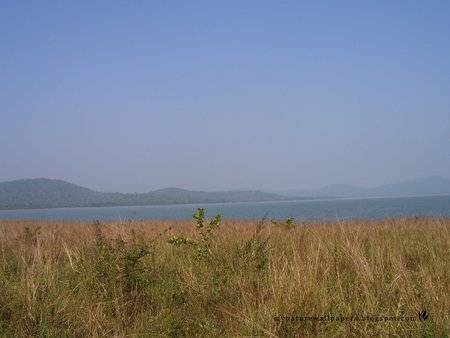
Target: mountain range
point(48, 193)
point(422, 186)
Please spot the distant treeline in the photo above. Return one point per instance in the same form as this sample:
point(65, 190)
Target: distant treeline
point(46, 193)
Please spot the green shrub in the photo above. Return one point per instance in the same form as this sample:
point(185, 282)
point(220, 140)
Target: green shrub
point(202, 246)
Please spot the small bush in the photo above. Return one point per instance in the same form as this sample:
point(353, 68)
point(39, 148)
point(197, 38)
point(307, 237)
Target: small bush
point(202, 246)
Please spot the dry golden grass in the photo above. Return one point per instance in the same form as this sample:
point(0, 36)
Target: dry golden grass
point(61, 279)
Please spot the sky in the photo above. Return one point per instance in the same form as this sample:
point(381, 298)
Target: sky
point(134, 96)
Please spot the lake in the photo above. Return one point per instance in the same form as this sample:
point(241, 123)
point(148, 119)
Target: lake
point(310, 210)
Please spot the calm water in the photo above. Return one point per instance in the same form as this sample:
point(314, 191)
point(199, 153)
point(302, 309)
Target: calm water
point(314, 210)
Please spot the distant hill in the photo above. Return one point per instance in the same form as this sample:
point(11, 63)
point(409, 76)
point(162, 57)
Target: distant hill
point(430, 185)
point(47, 193)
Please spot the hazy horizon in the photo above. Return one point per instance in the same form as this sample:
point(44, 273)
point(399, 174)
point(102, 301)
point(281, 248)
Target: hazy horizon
point(276, 191)
point(135, 97)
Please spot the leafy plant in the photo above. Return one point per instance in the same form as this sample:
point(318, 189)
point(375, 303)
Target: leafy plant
point(120, 264)
point(203, 247)
point(288, 223)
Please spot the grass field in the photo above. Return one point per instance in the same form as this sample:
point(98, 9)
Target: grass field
point(225, 279)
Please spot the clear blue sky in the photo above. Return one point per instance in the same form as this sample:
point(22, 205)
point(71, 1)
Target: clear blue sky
point(208, 95)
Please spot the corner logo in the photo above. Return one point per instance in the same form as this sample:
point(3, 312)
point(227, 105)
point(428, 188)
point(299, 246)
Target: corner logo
point(423, 315)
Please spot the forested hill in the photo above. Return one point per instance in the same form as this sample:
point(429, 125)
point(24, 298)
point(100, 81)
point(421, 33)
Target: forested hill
point(48, 193)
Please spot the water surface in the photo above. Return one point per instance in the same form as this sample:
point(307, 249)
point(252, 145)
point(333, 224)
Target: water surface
point(311, 210)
